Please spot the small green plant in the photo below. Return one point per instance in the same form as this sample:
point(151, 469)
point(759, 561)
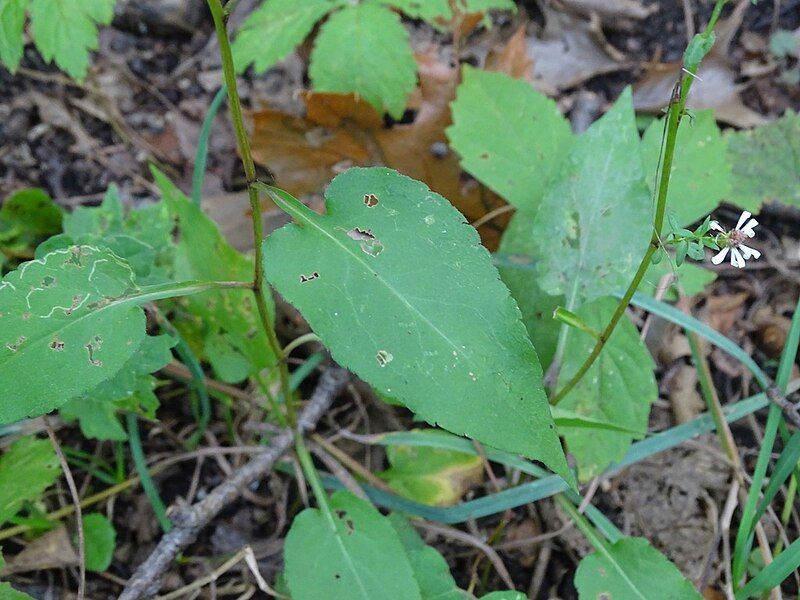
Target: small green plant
point(361, 48)
point(517, 351)
point(64, 31)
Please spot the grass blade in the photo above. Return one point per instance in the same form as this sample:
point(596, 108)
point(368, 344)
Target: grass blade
point(774, 573)
point(201, 156)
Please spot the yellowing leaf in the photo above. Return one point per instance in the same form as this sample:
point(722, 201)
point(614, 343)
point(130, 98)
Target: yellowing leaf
point(431, 475)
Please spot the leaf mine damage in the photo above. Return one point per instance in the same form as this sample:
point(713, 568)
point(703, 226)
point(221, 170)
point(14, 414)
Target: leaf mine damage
point(369, 243)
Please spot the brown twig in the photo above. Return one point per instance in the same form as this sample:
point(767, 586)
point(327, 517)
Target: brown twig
point(470, 540)
point(188, 521)
point(76, 501)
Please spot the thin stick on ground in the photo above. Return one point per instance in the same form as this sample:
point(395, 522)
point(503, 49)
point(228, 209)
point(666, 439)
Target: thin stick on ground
point(76, 501)
point(470, 540)
point(189, 521)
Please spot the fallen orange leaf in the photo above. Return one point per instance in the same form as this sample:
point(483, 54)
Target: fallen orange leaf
point(341, 130)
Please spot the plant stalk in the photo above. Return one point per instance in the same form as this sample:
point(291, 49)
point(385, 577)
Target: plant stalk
point(243, 144)
point(677, 107)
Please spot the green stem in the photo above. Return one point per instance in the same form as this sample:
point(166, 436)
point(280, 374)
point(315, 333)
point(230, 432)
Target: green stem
point(589, 532)
point(140, 462)
point(314, 480)
point(235, 106)
point(201, 156)
point(677, 107)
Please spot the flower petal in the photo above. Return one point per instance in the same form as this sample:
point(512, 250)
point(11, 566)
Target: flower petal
point(736, 258)
point(748, 229)
point(720, 256)
point(745, 215)
point(749, 252)
point(716, 226)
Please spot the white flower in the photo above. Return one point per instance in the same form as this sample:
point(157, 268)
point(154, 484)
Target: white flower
point(748, 228)
point(733, 241)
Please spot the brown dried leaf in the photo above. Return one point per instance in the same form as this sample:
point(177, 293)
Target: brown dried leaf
point(568, 52)
point(53, 550)
point(723, 312)
point(340, 131)
point(301, 154)
point(513, 58)
point(684, 398)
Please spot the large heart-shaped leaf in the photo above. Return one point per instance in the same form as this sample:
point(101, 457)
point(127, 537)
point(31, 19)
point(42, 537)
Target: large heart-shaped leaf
point(61, 330)
point(348, 551)
point(397, 285)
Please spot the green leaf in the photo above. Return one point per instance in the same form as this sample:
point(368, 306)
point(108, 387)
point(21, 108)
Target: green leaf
point(228, 363)
point(701, 173)
point(64, 315)
point(27, 469)
point(402, 293)
point(26, 219)
point(774, 573)
point(354, 555)
point(628, 569)
point(232, 314)
point(430, 475)
point(66, 30)
point(435, 12)
point(431, 570)
point(143, 237)
point(100, 540)
point(509, 136)
point(9, 593)
point(364, 49)
point(473, 6)
point(12, 23)
point(130, 389)
point(570, 419)
point(518, 271)
point(617, 389)
point(766, 163)
point(274, 29)
point(593, 224)
point(97, 418)
point(30, 213)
